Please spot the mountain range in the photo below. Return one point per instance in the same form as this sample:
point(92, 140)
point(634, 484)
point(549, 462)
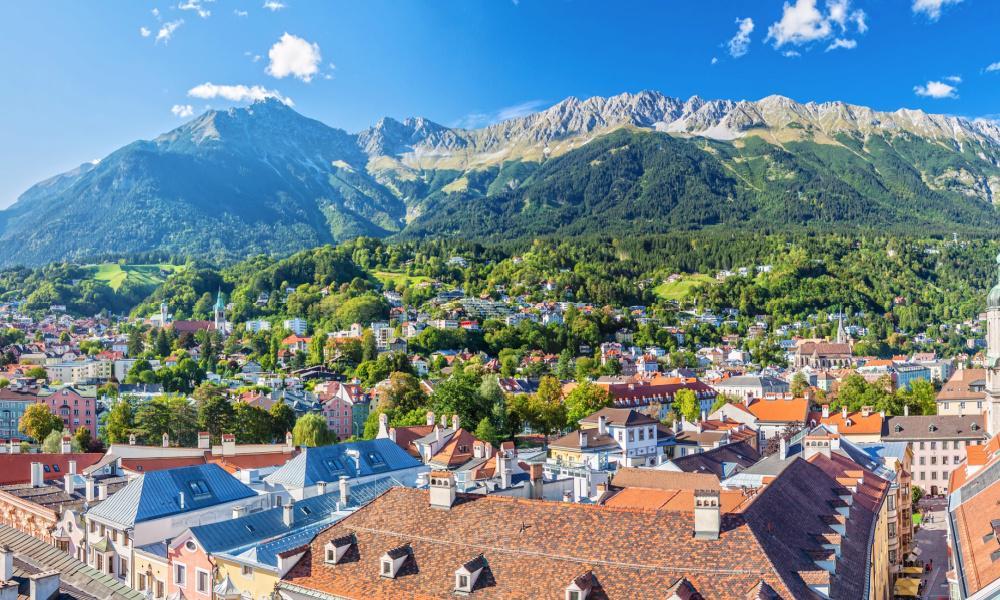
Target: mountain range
point(265, 179)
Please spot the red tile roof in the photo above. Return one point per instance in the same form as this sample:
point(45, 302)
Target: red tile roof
point(16, 468)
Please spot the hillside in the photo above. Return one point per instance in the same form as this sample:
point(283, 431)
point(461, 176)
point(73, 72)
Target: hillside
point(265, 179)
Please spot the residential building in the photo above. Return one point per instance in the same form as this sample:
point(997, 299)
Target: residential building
point(159, 505)
point(359, 461)
point(964, 393)
point(635, 433)
point(897, 458)
point(76, 406)
point(345, 407)
point(770, 417)
point(745, 387)
point(861, 426)
point(656, 395)
point(296, 325)
point(974, 524)
point(939, 444)
point(723, 461)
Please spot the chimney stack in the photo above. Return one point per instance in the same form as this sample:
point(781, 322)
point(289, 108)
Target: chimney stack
point(583, 439)
point(454, 422)
point(444, 421)
point(826, 411)
point(567, 496)
point(228, 444)
point(166, 440)
point(72, 467)
point(906, 410)
point(36, 474)
point(15, 446)
point(536, 472)
point(131, 439)
point(320, 488)
point(707, 514)
point(602, 424)
point(442, 489)
point(345, 490)
point(289, 441)
point(102, 491)
point(89, 488)
point(44, 585)
point(843, 412)
point(66, 445)
point(430, 418)
point(204, 440)
point(288, 513)
point(6, 563)
point(239, 511)
point(68, 483)
point(503, 466)
point(783, 448)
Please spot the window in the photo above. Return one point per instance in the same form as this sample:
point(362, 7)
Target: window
point(386, 568)
point(375, 459)
point(572, 595)
point(123, 568)
point(934, 475)
point(199, 489)
point(933, 445)
point(944, 460)
point(247, 571)
point(190, 545)
point(180, 575)
point(331, 555)
point(892, 556)
point(892, 530)
point(141, 583)
point(642, 435)
point(922, 474)
point(159, 589)
point(921, 445)
point(202, 581)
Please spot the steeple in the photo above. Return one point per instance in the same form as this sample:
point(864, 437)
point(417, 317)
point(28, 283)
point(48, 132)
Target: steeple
point(220, 312)
point(993, 358)
point(841, 333)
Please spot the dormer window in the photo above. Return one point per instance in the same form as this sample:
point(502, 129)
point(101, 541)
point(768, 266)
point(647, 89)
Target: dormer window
point(897, 428)
point(932, 427)
point(467, 575)
point(335, 549)
point(392, 561)
point(579, 588)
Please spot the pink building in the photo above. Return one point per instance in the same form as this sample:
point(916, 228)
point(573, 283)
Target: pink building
point(345, 407)
point(190, 568)
point(75, 409)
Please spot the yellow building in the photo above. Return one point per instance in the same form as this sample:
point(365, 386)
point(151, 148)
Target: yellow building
point(150, 569)
point(244, 580)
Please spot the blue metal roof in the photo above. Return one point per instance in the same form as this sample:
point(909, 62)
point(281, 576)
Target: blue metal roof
point(353, 459)
point(158, 494)
point(236, 536)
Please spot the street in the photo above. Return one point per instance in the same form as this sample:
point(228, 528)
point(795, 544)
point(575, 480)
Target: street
point(931, 539)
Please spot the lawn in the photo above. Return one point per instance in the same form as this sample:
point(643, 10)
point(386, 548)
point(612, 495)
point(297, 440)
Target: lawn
point(407, 280)
point(116, 274)
point(679, 289)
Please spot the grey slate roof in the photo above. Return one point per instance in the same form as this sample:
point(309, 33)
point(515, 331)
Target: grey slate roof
point(157, 494)
point(351, 459)
point(253, 528)
point(934, 427)
point(76, 579)
point(724, 461)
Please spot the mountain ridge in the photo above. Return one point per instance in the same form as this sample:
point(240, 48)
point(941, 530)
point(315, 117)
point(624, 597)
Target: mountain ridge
point(264, 178)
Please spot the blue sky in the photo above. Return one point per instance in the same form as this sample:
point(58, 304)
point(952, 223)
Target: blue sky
point(83, 78)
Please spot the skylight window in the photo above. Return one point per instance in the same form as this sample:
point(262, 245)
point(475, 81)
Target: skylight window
point(375, 459)
point(199, 489)
point(333, 465)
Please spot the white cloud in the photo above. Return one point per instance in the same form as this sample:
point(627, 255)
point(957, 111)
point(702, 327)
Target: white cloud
point(182, 110)
point(739, 45)
point(292, 55)
point(155, 12)
point(993, 67)
point(842, 43)
point(803, 23)
point(236, 93)
point(931, 8)
point(167, 31)
point(954, 78)
point(715, 60)
point(476, 120)
point(240, 13)
point(936, 89)
point(790, 54)
point(274, 5)
point(196, 6)
point(145, 32)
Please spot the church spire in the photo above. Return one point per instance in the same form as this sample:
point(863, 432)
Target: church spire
point(841, 332)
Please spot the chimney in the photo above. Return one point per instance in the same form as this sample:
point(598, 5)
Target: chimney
point(906, 410)
point(602, 424)
point(430, 418)
point(826, 411)
point(239, 511)
point(204, 440)
point(102, 491)
point(442, 490)
point(536, 471)
point(36, 474)
point(843, 412)
point(15, 446)
point(6, 563)
point(9, 590)
point(345, 490)
point(503, 466)
point(707, 514)
point(72, 467)
point(288, 513)
point(583, 438)
point(567, 496)
point(454, 422)
point(783, 448)
point(44, 585)
point(89, 487)
point(131, 439)
point(383, 425)
point(320, 488)
point(66, 445)
point(444, 421)
point(166, 440)
point(228, 444)
point(68, 483)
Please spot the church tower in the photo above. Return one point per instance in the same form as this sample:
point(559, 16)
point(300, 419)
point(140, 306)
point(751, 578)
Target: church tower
point(163, 314)
point(220, 313)
point(993, 357)
point(841, 332)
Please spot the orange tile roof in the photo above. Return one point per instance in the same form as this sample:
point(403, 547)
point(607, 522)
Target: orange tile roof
point(664, 480)
point(780, 411)
point(456, 452)
point(976, 544)
point(16, 468)
point(856, 423)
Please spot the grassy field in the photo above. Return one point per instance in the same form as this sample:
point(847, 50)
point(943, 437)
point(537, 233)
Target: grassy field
point(115, 274)
point(408, 280)
point(679, 290)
